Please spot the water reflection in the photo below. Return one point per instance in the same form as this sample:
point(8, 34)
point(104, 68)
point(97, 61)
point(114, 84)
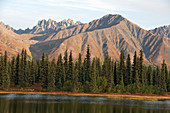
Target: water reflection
point(68, 104)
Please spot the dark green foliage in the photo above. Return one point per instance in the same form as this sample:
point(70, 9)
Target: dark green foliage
point(137, 82)
point(98, 67)
point(60, 73)
point(13, 69)
point(150, 75)
point(70, 67)
point(134, 70)
point(154, 77)
point(75, 78)
point(87, 63)
point(107, 69)
point(141, 78)
point(115, 74)
point(80, 71)
point(101, 84)
point(31, 75)
point(5, 80)
point(78, 76)
point(23, 78)
point(93, 84)
point(128, 76)
point(18, 70)
point(121, 69)
point(66, 64)
point(51, 77)
point(162, 78)
point(158, 77)
point(45, 74)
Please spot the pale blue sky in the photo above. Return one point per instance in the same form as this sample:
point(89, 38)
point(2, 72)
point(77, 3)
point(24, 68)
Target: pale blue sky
point(25, 13)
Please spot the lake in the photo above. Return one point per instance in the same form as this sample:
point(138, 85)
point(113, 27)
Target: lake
point(16, 103)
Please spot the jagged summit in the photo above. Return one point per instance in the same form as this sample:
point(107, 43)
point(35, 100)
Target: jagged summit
point(6, 26)
point(48, 26)
point(163, 31)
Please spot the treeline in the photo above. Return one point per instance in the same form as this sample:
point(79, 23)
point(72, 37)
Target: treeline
point(85, 76)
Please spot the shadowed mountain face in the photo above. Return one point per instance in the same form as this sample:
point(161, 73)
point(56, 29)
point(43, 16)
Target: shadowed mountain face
point(162, 31)
point(109, 34)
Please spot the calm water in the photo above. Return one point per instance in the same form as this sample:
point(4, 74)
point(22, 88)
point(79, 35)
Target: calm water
point(12, 103)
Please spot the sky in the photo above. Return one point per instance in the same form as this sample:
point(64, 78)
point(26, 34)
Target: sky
point(148, 14)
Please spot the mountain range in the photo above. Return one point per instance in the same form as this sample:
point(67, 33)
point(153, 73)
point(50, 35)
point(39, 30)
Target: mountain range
point(106, 35)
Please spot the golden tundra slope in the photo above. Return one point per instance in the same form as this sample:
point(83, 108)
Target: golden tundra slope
point(12, 42)
point(108, 34)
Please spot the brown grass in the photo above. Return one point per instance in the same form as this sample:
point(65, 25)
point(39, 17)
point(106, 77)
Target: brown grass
point(147, 97)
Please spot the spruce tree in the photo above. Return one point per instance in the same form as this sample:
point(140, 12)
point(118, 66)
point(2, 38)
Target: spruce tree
point(66, 64)
point(22, 71)
point(154, 77)
point(5, 75)
point(144, 75)
point(93, 83)
point(31, 76)
point(134, 71)
point(163, 83)
point(141, 77)
point(87, 64)
point(18, 70)
point(158, 76)
point(71, 67)
point(108, 73)
point(13, 69)
point(128, 78)
point(46, 73)
point(115, 74)
point(98, 67)
point(137, 83)
point(38, 69)
point(121, 69)
point(75, 77)
point(26, 69)
point(59, 72)
point(150, 75)
point(51, 77)
point(80, 76)
point(42, 68)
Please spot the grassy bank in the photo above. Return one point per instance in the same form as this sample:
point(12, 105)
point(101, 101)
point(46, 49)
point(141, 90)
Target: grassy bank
point(146, 97)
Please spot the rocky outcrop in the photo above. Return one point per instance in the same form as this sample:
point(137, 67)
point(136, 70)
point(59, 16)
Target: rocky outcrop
point(49, 26)
point(163, 31)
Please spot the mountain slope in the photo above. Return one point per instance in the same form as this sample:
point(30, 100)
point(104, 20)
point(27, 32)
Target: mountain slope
point(107, 35)
point(12, 42)
point(162, 31)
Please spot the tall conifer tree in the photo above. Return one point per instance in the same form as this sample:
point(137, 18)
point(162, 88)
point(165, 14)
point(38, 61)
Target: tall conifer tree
point(51, 77)
point(162, 82)
point(88, 64)
point(128, 78)
point(93, 77)
point(121, 69)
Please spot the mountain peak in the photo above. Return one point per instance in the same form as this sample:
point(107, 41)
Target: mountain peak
point(163, 31)
point(6, 26)
point(48, 26)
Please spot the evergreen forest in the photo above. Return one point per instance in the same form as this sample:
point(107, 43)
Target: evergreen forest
point(88, 75)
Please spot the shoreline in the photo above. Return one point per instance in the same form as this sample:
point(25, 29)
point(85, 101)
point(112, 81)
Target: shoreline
point(144, 97)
